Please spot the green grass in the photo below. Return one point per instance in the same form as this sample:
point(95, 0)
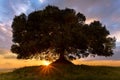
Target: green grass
point(63, 72)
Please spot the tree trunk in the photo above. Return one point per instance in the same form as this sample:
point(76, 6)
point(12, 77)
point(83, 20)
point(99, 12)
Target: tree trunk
point(62, 59)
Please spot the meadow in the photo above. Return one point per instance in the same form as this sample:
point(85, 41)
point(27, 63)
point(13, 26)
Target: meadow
point(63, 72)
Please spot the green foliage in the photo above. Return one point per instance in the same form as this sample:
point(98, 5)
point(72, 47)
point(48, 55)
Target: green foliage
point(59, 31)
point(57, 72)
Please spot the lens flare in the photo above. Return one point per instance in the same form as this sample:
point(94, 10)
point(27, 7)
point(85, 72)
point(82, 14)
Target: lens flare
point(49, 70)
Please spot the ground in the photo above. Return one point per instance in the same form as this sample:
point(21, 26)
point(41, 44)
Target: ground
point(63, 72)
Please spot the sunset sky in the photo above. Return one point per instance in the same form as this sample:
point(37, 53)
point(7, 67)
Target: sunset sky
point(106, 11)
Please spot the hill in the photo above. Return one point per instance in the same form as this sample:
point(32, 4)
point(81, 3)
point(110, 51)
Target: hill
point(63, 72)
point(5, 70)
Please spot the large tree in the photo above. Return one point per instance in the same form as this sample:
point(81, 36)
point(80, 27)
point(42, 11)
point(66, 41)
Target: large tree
point(59, 33)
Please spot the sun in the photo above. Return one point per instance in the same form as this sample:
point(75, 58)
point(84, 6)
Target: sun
point(46, 63)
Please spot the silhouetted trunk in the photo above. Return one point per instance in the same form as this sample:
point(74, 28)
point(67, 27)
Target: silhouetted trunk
point(62, 59)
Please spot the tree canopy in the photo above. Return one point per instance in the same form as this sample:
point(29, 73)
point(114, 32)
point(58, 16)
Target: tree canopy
point(53, 32)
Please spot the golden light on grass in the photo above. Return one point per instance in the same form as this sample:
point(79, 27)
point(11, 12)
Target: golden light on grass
point(48, 70)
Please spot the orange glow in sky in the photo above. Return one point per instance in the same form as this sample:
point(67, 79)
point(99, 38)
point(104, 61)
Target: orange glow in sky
point(46, 63)
point(14, 63)
point(10, 61)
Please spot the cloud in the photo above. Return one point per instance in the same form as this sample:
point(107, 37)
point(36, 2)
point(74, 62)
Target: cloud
point(19, 6)
point(42, 1)
point(5, 29)
point(4, 51)
point(88, 21)
point(117, 35)
point(5, 36)
point(10, 57)
point(7, 54)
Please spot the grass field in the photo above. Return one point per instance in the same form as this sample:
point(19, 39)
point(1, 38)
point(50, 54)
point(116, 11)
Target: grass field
point(63, 72)
point(5, 70)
